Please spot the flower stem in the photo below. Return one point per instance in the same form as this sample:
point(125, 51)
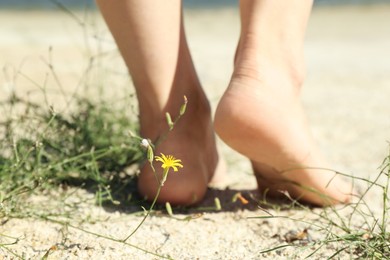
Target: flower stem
point(164, 176)
point(146, 216)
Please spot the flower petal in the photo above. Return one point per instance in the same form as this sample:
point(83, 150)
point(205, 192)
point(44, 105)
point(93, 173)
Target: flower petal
point(164, 157)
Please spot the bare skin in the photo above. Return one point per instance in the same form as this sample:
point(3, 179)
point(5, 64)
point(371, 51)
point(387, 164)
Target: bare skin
point(262, 99)
point(150, 36)
point(262, 103)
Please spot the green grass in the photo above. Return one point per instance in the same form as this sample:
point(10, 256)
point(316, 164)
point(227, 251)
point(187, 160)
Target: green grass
point(51, 155)
point(352, 231)
point(41, 149)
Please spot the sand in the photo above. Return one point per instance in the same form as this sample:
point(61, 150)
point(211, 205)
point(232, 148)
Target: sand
point(346, 96)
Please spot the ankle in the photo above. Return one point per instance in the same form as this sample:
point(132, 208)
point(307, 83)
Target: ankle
point(269, 62)
point(153, 119)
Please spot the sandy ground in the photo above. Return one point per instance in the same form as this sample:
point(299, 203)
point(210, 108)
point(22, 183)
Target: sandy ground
point(346, 96)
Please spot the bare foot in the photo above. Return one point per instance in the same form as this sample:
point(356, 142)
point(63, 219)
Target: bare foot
point(263, 120)
point(192, 141)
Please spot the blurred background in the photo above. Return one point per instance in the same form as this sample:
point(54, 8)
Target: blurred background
point(187, 3)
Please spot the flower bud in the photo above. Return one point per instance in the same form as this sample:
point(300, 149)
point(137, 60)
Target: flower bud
point(145, 143)
point(169, 121)
point(184, 106)
point(150, 154)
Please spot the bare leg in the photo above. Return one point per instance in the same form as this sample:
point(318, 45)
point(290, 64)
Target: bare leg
point(260, 114)
point(151, 39)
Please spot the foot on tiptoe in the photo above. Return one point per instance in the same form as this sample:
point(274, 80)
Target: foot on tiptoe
point(261, 117)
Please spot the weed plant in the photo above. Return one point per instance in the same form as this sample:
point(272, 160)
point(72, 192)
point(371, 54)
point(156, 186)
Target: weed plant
point(41, 149)
point(91, 147)
point(352, 231)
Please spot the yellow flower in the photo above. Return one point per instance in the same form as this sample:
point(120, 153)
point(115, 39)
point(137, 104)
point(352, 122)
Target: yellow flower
point(169, 162)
